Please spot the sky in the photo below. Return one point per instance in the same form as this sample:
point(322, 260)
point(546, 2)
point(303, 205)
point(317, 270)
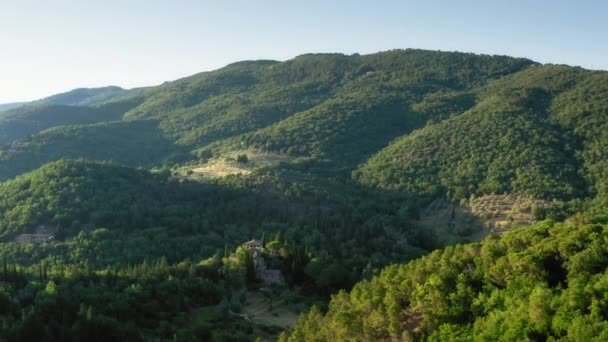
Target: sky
point(52, 46)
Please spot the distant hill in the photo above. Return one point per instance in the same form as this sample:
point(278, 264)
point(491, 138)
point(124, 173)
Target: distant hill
point(244, 97)
point(7, 106)
point(82, 96)
point(76, 97)
point(132, 143)
point(19, 120)
point(19, 123)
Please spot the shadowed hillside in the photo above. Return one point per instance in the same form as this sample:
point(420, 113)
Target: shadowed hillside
point(19, 124)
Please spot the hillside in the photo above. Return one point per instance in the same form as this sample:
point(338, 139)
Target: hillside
point(7, 106)
point(130, 143)
point(425, 125)
point(525, 135)
point(373, 103)
point(68, 197)
point(82, 96)
point(342, 165)
point(148, 225)
point(336, 97)
point(77, 97)
point(64, 192)
point(537, 283)
point(18, 124)
point(147, 215)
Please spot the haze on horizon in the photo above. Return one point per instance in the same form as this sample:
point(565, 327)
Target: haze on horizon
point(49, 48)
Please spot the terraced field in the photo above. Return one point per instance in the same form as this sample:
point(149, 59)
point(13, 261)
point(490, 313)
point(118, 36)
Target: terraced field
point(501, 213)
point(473, 220)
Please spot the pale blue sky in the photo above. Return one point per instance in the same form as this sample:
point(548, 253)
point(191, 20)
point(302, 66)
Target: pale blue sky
point(50, 46)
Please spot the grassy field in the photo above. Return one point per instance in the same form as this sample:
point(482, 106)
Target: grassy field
point(229, 164)
point(270, 309)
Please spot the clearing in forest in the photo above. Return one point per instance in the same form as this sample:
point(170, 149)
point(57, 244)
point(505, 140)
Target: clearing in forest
point(269, 310)
point(233, 163)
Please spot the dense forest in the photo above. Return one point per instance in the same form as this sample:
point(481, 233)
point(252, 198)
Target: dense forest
point(545, 282)
point(528, 133)
point(122, 212)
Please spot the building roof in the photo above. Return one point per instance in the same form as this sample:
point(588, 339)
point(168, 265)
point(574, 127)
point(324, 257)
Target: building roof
point(254, 243)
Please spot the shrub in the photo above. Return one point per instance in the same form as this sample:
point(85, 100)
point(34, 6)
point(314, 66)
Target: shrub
point(243, 159)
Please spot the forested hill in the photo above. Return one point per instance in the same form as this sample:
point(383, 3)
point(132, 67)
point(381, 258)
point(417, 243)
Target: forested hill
point(17, 124)
point(136, 255)
point(76, 97)
point(342, 165)
point(66, 194)
point(69, 198)
point(7, 106)
point(314, 105)
point(82, 96)
point(458, 125)
point(546, 282)
point(538, 132)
